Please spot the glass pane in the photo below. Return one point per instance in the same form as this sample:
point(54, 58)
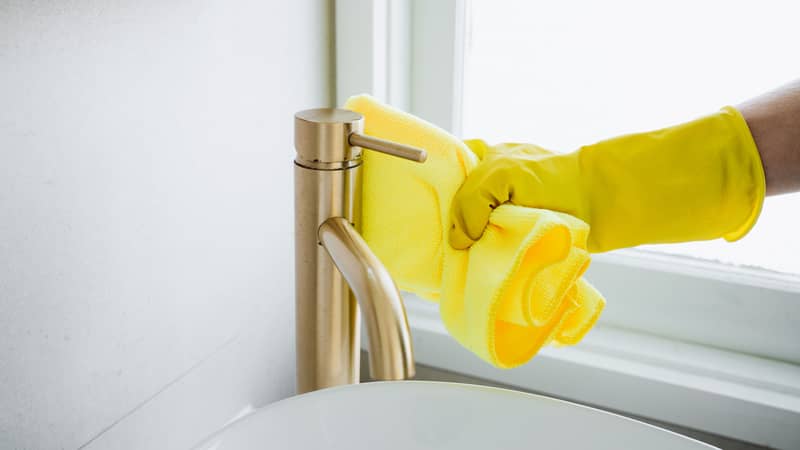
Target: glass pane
point(564, 74)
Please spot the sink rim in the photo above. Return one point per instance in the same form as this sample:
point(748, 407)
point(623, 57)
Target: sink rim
point(335, 390)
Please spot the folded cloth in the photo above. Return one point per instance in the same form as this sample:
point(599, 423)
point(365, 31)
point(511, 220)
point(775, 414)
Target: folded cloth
point(518, 288)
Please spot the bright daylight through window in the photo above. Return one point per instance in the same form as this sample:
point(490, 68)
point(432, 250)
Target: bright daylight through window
point(565, 74)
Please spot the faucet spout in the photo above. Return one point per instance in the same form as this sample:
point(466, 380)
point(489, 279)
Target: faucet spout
point(390, 353)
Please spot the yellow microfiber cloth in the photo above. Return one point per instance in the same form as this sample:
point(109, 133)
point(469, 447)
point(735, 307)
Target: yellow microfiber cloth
point(516, 289)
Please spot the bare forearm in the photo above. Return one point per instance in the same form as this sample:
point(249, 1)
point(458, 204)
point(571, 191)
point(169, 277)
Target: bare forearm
point(774, 121)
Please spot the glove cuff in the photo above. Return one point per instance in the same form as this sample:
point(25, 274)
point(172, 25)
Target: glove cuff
point(756, 188)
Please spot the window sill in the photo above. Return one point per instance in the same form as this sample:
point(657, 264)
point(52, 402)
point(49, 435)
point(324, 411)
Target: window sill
point(717, 391)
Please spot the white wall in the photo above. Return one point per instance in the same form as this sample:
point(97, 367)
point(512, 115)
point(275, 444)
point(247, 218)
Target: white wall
point(146, 212)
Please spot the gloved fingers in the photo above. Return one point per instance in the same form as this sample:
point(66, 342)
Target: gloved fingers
point(490, 185)
point(472, 205)
point(469, 218)
point(458, 239)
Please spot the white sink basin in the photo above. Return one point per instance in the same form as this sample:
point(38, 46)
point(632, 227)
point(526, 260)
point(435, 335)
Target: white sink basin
point(428, 415)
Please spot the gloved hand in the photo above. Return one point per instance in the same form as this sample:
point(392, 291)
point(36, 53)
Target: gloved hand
point(695, 181)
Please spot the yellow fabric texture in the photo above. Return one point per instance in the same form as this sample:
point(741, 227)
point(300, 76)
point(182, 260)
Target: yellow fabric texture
point(518, 288)
point(695, 181)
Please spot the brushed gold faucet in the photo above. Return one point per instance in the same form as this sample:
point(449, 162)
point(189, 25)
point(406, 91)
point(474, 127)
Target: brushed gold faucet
point(335, 270)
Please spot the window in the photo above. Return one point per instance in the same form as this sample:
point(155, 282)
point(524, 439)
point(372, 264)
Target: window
point(564, 74)
point(684, 339)
point(561, 74)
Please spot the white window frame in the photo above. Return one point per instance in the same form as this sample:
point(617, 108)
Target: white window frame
point(685, 341)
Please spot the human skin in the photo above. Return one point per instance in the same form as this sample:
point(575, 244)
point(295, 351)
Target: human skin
point(774, 122)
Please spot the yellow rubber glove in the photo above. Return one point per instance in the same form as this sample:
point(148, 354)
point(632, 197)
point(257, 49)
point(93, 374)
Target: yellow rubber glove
point(695, 181)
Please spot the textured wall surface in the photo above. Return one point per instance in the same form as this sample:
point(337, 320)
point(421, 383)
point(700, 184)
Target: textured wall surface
point(145, 207)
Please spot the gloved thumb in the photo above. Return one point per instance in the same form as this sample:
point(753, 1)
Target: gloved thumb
point(472, 205)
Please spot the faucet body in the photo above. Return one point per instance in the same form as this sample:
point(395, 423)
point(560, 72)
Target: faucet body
point(337, 276)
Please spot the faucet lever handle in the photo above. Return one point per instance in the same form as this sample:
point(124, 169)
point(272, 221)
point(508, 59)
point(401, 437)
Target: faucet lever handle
point(388, 147)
